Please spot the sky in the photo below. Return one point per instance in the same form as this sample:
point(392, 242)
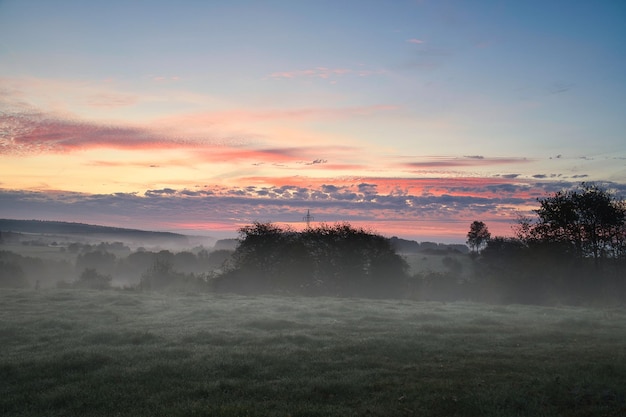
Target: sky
point(410, 118)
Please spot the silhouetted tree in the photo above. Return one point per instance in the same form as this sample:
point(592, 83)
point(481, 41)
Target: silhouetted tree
point(330, 260)
point(572, 252)
point(478, 236)
point(585, 222)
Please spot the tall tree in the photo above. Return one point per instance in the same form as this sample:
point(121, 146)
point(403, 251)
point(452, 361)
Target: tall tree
point(478, 236)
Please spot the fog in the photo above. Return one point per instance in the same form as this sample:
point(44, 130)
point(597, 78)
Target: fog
point(503, 273)
point(330, 322)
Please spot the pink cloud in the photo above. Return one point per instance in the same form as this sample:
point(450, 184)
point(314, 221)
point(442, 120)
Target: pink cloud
point(35, 133)
point(415, 41)
point(27, 130)
point(407, 207)
point(296, 157)
point(344, 167)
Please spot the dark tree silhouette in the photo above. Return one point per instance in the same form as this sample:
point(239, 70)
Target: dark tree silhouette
point(326, 260)
point(587, 222)
point(478, 236)
point(572, 252)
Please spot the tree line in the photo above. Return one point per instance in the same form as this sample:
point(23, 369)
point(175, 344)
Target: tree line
point(572, 251)
point(334, 260)
point(105, 265)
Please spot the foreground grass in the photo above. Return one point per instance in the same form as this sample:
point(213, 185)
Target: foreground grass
point(139, 354)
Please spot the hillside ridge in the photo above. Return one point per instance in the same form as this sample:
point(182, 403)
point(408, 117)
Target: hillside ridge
point(71, 228)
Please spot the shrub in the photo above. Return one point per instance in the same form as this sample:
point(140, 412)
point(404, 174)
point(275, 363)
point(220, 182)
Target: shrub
point(334, 260)
point(12, 275)
point(91, 279)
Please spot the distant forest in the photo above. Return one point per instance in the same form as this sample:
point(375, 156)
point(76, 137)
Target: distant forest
point(572, 252)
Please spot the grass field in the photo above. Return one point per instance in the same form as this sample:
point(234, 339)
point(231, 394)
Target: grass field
point(115, 353)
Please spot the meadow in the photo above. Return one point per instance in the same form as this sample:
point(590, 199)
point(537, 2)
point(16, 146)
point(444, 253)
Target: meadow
point(129, 353)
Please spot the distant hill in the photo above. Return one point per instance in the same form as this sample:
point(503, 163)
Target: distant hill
point(45, 227)
point(226, 244)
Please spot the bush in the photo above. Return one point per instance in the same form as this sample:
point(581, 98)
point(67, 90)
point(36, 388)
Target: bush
point(93, 280)
point(97, 260)
point(12, 275)
point(162, 276)
point(334, 260)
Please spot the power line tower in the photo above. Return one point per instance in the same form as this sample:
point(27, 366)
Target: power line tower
point(308, 219)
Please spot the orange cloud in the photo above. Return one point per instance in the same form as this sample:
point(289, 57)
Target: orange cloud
point(406, 207)
point(468, 186)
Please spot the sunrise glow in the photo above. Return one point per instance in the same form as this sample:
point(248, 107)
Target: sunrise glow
point(411, 118)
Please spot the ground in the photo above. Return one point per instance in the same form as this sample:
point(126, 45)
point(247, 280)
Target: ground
point(125, 353)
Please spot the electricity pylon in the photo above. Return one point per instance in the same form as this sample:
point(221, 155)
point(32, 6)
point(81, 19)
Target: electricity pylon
point(308, 219)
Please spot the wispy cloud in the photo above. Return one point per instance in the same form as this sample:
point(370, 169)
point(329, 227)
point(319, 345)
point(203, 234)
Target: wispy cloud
point(560, 87)
point(415, 41)
point(317, 161)
point(64, 95)
point(38, 132)
point(163, 78)
point(240, 116)
point(301, 155)
point(319, 72)
point(111, 100)
point(466, 161)
point(484, 44)
point(324, 73)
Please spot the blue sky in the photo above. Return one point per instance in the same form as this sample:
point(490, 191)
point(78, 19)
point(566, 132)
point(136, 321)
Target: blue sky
point(408, 116)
